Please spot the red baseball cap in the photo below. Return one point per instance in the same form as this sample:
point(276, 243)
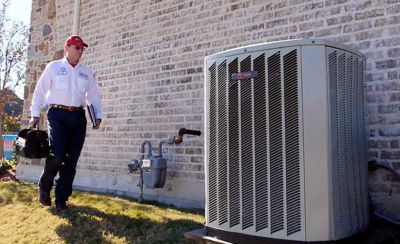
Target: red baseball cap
point(75, 40)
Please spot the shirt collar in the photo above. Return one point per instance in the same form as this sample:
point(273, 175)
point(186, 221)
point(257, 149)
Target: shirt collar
point(65, 62)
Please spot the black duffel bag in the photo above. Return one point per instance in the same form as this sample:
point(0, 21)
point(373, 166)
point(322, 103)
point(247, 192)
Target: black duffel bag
point(32, 143)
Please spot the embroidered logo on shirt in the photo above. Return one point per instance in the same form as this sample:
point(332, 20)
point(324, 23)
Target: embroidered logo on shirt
point(62, 71)
point(83, 75)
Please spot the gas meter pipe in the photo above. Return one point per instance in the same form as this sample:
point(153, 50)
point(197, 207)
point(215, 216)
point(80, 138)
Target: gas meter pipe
point(148, 143)
point(174, 140)
point(136, 165)
point(148, 149)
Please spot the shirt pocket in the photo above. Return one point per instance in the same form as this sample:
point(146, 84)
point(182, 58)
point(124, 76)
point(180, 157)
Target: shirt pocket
point(61, 83)
point(82, 84)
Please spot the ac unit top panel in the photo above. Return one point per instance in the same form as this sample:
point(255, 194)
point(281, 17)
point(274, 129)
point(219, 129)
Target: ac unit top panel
point(281, 44)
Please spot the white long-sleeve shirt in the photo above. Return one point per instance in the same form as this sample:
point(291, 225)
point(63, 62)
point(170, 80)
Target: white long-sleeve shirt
point(62, 84)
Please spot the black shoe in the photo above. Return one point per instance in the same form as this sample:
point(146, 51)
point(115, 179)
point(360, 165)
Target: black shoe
point(62, 207)
point(44, 198)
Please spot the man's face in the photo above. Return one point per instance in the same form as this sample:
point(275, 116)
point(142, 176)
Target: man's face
point(74, 52)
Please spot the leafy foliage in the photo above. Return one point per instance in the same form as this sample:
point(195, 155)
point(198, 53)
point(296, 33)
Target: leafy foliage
point(6, 164)
point(13, 50)
point(13, 59)
point(11, 123)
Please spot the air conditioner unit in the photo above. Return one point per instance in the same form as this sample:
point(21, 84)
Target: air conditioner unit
point(285, 142)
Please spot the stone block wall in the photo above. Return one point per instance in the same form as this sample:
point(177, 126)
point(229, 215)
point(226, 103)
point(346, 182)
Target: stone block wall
point(148, 58)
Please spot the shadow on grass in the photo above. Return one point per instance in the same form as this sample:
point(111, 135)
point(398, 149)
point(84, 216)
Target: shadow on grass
point(90, 225)
point(166, 206)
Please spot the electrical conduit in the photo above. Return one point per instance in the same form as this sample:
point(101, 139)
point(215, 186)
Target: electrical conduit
point(75, 26)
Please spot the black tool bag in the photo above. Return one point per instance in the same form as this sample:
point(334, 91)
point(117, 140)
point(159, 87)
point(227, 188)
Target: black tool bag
point(32, 143)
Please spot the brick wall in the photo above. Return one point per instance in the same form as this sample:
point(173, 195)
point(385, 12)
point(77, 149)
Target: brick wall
point(148, 59)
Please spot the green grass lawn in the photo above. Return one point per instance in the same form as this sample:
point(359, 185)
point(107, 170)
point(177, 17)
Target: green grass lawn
point(93, 218)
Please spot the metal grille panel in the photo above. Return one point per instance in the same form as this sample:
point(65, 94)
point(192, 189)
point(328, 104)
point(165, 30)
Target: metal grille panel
point(347, 143)
point(246, 111)
point(261, 141)
point(356, 145)
point(343, 183)
point(234, 180)
point(350, 143)
point(362, 140)
point(334, 125)
point(212, 169)
point(276, 156)
point(222, 146)
point(251, 172)
point(292, 144)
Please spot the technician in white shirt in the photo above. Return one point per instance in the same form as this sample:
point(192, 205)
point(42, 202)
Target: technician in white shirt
point(67, 86)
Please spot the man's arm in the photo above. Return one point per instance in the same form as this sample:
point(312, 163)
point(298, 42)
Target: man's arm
point(34, 121)
point(39, 100)
point(93, 98)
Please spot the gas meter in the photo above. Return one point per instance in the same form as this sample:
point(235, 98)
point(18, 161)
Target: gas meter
point(153, 169)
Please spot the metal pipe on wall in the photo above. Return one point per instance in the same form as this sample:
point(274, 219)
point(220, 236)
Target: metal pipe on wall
point(75, 26)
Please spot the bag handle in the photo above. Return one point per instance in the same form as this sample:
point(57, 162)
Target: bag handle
point(35, 128)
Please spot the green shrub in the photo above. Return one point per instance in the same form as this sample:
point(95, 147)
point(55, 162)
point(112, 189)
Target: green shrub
point(15, 157)
point(6, 164)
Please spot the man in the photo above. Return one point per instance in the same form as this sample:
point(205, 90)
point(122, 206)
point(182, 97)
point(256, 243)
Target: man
point(66, 85)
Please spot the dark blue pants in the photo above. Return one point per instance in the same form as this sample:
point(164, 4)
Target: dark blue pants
point(67, 130)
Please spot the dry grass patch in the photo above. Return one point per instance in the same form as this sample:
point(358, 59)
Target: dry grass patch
point(94, 218)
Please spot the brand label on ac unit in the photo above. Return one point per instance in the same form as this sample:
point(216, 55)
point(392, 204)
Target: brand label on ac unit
point(244, 75)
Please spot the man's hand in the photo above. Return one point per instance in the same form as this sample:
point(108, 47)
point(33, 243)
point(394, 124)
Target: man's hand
point(98, 121)
point(33, 122)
